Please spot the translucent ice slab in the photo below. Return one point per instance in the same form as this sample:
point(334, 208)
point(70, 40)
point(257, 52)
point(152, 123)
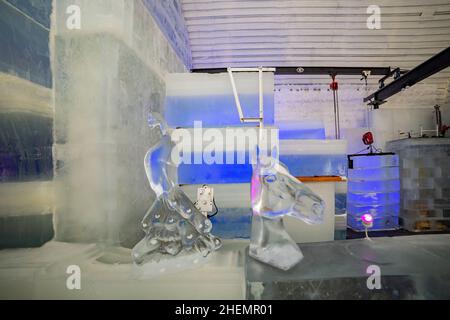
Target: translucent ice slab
point(413, 267)
point(374, 188)
point(209, 98)
point(230, 162)
point(314, 157)
point(290, 130)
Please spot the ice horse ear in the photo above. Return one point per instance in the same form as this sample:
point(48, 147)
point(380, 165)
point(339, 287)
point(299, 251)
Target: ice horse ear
point(156, 120)
point(254, 160)
point(274, 157)
point(268, 161)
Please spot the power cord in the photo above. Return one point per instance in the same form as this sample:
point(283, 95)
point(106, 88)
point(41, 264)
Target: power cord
point(210, 215)
point(217, 210)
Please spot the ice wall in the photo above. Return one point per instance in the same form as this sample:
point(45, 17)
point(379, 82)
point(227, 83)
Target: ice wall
point(108, 76)
point(169, 17)
point(26, 120)
point(24, 33)
point(310, 107)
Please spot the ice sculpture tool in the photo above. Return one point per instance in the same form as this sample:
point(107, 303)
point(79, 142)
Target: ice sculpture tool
point(172, 224)
point(275, 193)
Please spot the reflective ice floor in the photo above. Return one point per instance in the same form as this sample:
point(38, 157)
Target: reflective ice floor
point(412, 267)
point(108, 273)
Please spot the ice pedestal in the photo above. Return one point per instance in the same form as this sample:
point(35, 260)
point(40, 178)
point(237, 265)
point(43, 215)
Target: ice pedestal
point(414, 267)
point(425, 183)
point(373, 188)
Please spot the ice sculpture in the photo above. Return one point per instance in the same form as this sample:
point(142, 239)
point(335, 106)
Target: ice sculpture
point(276, 193)
point(173, 223)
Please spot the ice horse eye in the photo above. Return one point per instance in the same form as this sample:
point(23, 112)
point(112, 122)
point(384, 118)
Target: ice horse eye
point(270, 178)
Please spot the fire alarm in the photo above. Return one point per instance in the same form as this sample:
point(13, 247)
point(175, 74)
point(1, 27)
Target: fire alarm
point(367, 138)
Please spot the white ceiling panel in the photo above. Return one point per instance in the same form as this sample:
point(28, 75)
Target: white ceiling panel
point(250, 33)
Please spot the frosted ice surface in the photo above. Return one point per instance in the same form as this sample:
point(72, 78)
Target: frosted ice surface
point(172, 224)
point(276, 193)
point(209, 98)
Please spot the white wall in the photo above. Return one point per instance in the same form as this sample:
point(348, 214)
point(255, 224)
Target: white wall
point(406, 111)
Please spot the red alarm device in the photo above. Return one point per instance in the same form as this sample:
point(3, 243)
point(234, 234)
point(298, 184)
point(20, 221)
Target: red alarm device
point(367, 138)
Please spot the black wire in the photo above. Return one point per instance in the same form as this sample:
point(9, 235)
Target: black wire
point(210, 215)
point(363, 150)
point(217, 210)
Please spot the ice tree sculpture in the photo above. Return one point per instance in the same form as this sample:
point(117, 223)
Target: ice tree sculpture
point(276, 193)
point(172, 224)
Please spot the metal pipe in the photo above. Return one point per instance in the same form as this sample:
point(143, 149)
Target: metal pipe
point(338, 117)
point(261, 104)
point(236, 97)
point(437, 110)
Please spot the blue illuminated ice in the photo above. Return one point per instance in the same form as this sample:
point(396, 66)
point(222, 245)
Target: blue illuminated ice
point(173, 223)
point(209, 98)
point(276, 193)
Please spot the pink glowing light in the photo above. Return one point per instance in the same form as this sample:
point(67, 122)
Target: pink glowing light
point(367, 218)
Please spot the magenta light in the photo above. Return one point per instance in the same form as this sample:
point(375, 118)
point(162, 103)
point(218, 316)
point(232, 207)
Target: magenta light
point(367, 218)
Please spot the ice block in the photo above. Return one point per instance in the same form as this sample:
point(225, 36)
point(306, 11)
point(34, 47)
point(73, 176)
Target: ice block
point(373, 188)
point(314, 157)
point(291, 130)
point(209, 98)
point(228, 162)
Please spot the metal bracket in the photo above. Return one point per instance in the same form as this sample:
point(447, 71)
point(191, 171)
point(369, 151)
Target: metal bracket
point(433, 65)
point(205, 199)
point(260, 71)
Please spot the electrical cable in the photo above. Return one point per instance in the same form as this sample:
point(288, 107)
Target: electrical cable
point(217, 210)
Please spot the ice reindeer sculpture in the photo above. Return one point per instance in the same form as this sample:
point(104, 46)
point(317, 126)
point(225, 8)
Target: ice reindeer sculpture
point(276, 193)
point(172, 224)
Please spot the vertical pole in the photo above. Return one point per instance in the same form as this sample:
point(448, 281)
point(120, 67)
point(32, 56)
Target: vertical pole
point(261, 104)
point(338, 121)
point(236, 96)
point(334, 89)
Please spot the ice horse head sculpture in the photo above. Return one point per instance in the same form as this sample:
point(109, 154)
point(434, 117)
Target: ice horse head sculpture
point(275, 193)
point(172, 224)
